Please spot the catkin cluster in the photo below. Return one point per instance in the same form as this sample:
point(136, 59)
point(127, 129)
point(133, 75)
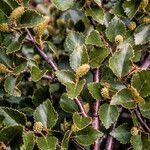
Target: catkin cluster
point(16, 13)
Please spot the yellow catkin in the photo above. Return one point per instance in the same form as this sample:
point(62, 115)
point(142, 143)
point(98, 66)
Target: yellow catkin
point(61, 23)
point(40, 28)
point(146, 20)
point(143, 4)
point(118, 39)
point(136, 95)
point(3, 68)
point(4, 27)
point(74, 128)
point(132, 25)
point(38, 127)
point(17, 13)
point(105, 93)
point(134, 131)
point(82, 70)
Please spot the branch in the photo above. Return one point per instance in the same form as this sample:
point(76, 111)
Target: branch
point(146, 63)
point(42, 53)
point(109, 142)
point(95, 122)
point(141, 120)
point(82, 110)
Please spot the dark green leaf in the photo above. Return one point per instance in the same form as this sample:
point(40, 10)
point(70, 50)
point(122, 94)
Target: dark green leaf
point(87, 136)
point(124, 98)
point(141, 82)
point(81, 122)
point(122, 133)
point(108, 114)
point(115, 27)
point(67, 104)
point(95, 90)
point(46, 114)
point(47, 143)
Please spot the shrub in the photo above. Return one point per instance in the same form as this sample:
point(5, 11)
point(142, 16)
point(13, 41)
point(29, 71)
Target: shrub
point(74, 74)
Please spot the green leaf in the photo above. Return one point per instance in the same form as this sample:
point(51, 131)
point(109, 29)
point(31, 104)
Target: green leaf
point(40, 95)
point(97, 56)
point(74, 89)
point(20, 68)
point(15, 45)
point(141, 82)
point(29, 19)
point(122, 133)
point(120, 63)
point(5, 59)
point(140, 142)
point(117, 9)
point(65, 76)
point(28, 141)
point(94, 38)
point(124, 98)
point(47, 143)
point(87, 136)
point(63, 4)
point(46, 114)
point(10, 86)
point(12, 3)
point(7, 134)
point(108, 114)
point(5, 8)
point(67, 104)
point(81, 122)
point(95, 90)
point(79, 57)
point(12, 116)
point(96, 13)
point(115, 27)
point(53, 48)
point(141, 34)
point(65, 140)
point(131, 7)
point(74, 39)
point(37, 74)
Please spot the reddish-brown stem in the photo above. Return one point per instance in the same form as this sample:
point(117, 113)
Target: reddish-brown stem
point(146, 63)
point(109, 142)
point(95, 122)
point(141, 120)
point(42, 53)
point(82, 110)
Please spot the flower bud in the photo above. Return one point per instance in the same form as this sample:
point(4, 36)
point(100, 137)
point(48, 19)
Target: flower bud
point(132, 25)
point(134, 131)
point(118, 39)
point(82, 70)
point(16, 13)
point(3, 68)
point(38, 127)
point(40, 28)
point(146, 20)
point(105, 93)
point(4, 27)
point(143, 4)
point(61, 23)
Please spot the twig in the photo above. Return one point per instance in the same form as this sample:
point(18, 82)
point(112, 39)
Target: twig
point(141, 120)
point(42, 53)
point(82, 110)
point(129, 148)
point(109, 142)
point(95, 122)
point(146, 63)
